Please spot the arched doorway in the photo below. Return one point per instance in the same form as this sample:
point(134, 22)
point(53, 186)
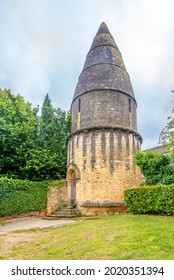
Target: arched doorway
point(73, 176)
point(73, 187)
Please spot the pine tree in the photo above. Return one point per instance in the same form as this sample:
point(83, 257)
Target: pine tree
point(48, 161)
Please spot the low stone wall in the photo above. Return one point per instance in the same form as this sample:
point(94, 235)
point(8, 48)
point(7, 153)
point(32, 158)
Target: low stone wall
point(56, 198)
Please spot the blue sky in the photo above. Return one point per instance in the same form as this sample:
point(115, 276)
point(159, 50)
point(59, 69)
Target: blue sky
point(44, 44)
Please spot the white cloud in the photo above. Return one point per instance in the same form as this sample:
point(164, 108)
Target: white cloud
point(44, 44)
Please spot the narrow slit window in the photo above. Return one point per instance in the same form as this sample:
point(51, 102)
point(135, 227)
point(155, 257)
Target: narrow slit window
point(79, 105)
point(129, 105)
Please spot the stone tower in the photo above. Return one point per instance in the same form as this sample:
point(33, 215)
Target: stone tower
point(104, 135)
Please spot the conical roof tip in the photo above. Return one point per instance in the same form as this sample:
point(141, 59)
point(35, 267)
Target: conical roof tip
point(103, 29)
point(104, 67)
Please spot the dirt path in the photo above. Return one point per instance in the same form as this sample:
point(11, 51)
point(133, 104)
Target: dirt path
point(8, 238)
point(31, 222)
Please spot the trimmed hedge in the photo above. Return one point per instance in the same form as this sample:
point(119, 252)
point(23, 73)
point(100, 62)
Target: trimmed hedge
point(150, 200)
point(19, 196)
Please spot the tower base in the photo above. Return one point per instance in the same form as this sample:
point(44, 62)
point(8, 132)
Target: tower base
point(104, 208)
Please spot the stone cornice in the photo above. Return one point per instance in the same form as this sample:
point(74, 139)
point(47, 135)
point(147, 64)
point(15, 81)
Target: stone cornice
point(108, 128)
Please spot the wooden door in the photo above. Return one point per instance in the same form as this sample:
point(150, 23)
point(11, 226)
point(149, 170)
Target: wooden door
point(73, 188)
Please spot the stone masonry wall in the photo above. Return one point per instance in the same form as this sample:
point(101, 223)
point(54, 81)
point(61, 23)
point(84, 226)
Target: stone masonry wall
point(56, 198)
point(104, 108)
point(105, 159)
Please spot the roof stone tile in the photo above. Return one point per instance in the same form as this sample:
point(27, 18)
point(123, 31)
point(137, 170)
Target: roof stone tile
point(104, 67)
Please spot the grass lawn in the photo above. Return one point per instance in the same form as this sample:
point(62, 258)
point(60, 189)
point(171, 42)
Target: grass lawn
point(121, 237)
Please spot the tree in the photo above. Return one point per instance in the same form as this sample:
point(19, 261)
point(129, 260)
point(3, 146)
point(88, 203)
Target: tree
point(155, 167)
point(46, 124)
point(167, 134)
point(32, 147)
point(48, 161)
point(18, 132)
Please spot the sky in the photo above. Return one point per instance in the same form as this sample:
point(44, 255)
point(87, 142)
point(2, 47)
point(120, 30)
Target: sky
point(44, 44)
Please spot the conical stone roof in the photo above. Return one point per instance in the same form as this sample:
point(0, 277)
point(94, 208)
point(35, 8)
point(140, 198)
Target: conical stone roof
point(104, 67)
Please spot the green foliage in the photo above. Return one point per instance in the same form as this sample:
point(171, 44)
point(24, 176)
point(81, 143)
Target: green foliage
point(167, 134)
point(18, 132)
point(151, 200)
point(48, 160)
point(57, 183)
point(22, 196)
point(32, 147)
point(155, 167)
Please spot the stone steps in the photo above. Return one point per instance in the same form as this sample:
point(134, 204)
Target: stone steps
point(65, 212)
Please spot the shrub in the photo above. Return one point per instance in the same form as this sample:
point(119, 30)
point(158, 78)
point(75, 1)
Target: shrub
point(19, 196)
point(155, 167)
point(151, 200)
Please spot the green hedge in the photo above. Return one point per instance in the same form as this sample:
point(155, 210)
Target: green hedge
point(19, 196)
point(150, 199)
